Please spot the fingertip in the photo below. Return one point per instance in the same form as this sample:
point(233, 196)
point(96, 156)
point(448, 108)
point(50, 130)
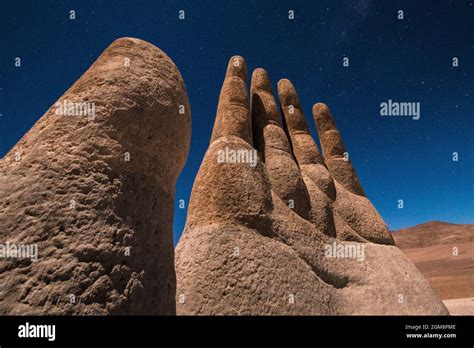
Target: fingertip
point(323, 117)
point(237, 67)
point(285, 83)
point(261, 80)
point(284, 86)
point(287, 93)
point(320, 108)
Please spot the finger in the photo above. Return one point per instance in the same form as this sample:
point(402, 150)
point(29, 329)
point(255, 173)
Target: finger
point(272, 142)
point(361, 216)
point(345, 232)
point(334, 151)
point(304, 147)
point(319, 183)
point(233, 116)
point(231, 186)
point(331, 140)
point(266, 116)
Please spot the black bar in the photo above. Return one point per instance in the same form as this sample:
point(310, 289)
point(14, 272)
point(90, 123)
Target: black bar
point(244, 330)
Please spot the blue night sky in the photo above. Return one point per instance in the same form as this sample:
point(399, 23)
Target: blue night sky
point(406, 60)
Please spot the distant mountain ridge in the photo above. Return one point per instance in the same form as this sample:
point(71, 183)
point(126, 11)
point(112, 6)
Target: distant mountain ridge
point(444, 253)
point(433, 233)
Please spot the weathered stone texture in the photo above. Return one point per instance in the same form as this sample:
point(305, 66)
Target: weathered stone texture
point(77, 196)
point(256, 236)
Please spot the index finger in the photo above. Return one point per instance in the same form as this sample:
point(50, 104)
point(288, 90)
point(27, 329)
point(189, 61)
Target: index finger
point(233, 112)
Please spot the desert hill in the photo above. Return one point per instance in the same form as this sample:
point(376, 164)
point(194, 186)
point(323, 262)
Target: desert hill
point(433, 233)
point(444, 253)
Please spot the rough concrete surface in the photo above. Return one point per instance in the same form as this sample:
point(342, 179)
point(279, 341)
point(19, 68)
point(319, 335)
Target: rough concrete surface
point(95, 193)
point(258, 235)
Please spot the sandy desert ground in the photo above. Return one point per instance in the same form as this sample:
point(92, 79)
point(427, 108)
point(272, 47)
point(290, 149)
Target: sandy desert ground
point(444, 253)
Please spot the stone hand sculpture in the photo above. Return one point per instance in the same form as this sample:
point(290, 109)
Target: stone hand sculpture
point(94, 192)
point(292, 231)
